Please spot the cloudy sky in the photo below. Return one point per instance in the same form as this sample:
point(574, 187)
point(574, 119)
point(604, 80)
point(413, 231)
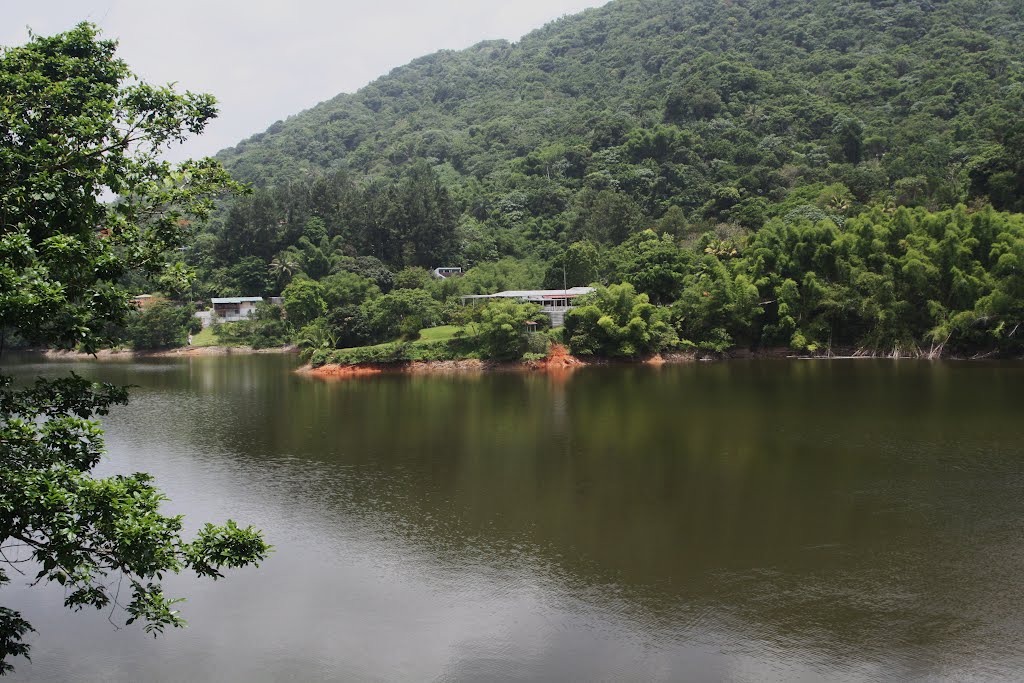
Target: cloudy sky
point(266, 60)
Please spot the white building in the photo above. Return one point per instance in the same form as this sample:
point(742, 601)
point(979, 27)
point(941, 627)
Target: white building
point(553, 302)
point(445, 272)
point(234, 308)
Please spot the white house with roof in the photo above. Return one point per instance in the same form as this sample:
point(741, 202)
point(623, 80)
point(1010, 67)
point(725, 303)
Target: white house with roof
point(234, 308)
point(553, 302)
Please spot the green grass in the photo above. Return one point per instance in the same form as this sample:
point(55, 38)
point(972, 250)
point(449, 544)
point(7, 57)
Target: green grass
point(205, 338)
point(440, 333)
point(428, 335)
point(382, 345)
point(432, 345)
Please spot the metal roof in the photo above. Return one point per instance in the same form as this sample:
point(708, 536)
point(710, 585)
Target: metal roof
point(236, 299)
point(534, 293)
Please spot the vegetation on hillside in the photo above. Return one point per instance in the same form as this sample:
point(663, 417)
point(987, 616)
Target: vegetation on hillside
point(890, 281)
point(715, 109)
point(802, 174)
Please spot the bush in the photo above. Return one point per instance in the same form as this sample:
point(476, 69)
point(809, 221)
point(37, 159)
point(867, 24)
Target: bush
point(501, 329)
point(393, 352)
point(537, 344)
point(618, 322)
point(403, 312)
point(266, 329)
point(160, 326)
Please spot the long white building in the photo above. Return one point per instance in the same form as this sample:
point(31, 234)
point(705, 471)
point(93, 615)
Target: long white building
point(553, 302)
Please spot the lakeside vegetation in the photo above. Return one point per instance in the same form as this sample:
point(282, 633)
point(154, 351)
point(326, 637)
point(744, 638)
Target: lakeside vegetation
point(763, 175)
point(730, 187)
point(794, 174)
point(889, 281)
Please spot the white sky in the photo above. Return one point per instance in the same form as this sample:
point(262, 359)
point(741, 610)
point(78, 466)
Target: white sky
point(264, 61)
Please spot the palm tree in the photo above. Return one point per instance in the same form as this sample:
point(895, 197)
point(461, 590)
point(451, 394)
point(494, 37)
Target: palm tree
point(283, 267)
point(317, 337)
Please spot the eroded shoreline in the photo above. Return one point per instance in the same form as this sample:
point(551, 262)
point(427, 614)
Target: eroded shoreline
point(560, 361)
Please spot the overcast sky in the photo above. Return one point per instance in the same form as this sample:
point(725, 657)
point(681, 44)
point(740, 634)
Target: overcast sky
point(266, 60)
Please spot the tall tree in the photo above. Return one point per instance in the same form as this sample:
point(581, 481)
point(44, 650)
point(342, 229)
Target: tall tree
point(424, 218)
point(74, 126)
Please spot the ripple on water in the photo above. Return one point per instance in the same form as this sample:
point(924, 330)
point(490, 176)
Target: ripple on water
point(742, 522)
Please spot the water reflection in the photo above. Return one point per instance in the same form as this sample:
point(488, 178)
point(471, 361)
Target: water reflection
point(740, 521)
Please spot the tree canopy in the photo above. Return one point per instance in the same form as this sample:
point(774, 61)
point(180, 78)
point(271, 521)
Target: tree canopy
point(603, 121)
point(75, 130)
point(744, 166)
point(605, 147)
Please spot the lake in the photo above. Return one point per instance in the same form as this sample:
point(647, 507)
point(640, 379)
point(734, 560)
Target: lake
point(741, 521)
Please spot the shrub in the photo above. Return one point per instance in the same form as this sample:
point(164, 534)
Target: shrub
point(501, 329)
point(266, 328)
point(160, 326)
point(618, 322)
point(402, 312)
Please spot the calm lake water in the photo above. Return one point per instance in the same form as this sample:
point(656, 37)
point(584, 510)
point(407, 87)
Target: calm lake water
point(741, 521)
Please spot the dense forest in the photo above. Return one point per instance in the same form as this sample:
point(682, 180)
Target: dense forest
point(763, 172)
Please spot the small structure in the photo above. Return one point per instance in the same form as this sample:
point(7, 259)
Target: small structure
point(234, 308)
point(446, 272)
point(145, 300)
point(553, 302)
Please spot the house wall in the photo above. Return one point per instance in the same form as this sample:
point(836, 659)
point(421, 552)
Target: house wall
point(234, 312)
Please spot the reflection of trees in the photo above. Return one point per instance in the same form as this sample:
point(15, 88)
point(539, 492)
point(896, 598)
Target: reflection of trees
point(804, 496)
point(799, 500)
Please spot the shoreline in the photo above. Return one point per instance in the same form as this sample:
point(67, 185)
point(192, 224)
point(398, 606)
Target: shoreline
point(559, 364)
point(559, 361)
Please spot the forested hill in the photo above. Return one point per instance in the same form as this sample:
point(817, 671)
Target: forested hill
point(703, 104)
point(829, 164)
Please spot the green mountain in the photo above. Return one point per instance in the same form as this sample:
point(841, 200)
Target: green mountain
point(777, 172)
point(715, 107)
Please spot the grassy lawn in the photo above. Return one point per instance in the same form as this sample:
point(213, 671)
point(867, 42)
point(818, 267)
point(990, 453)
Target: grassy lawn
point(427, 335)
point(432, 334)
point(205, 338)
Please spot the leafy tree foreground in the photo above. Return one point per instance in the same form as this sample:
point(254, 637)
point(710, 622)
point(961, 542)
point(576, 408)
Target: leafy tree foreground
point(75, 127)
